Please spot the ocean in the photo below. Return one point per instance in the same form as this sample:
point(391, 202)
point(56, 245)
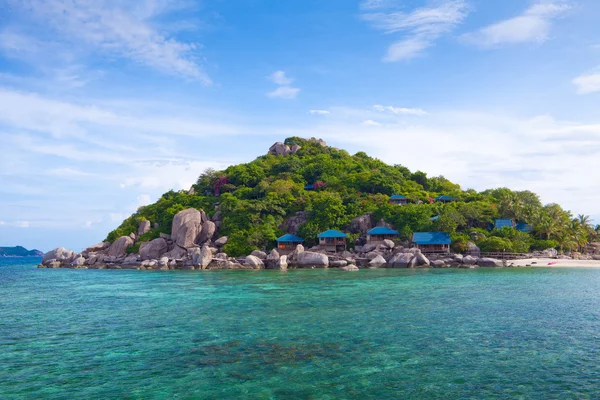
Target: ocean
point(301, 334)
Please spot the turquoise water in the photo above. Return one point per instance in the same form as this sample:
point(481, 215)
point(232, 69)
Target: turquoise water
point(314, 334)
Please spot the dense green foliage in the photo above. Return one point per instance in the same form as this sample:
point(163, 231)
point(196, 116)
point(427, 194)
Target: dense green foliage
point(257, 197)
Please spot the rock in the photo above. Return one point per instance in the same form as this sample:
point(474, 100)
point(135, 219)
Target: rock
point(206, 256)
point(312, 259)
point(469, 260)
point(377, 262)
point(59, 254)
point(473, 250)
point(254, 262)
point(458, 258)
point(143, 227)
point(293, 224)
point(295, 148)
point(177, 253)
point(596, 257)
point(164, 262)
point(489, 262)
point(338, 263)
point(153, 249)
point(260, 254)
point(119, 246)
point(97, 247)
point(550, 253)
point(350, 268)
point(192, 191)
point(383, 223)
point(282, 263)
point(280, 149)
point(296, 253)
point(367, 248)
point(361, 224)
point(273, 255)
point(222, 241)
point(422, 260)
point(346, 254)
point(133, 236)
point(187, 226)
point(78, 262)
point(164, 236)
point(389, 244)
point(477, 236)
point(401, 260)
point(208, 230)
point(130, 260)
point(438, 264)
point(53, 264)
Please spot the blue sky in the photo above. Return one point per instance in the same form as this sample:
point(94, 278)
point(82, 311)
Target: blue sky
point(108, 104)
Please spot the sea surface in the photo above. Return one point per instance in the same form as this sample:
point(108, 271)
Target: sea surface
point(301, 334)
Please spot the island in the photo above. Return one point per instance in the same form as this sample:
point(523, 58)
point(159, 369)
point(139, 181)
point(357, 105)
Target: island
point(305, 204)
point(19, 251)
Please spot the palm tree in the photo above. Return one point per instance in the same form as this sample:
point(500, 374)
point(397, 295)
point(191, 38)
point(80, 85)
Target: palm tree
point(585, 220)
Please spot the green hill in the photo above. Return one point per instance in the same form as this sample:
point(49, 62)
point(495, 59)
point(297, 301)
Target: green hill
point(255, 199)
point(19, 251)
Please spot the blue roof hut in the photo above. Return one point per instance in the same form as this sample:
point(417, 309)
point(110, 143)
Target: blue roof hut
point(398, 199)
point(445, 199)
point(288, 243)
point(432, 242)
point(503, 223)
point(333, 240)
point(381, 233)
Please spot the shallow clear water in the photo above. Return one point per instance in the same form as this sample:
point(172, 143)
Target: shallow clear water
point(314, 334)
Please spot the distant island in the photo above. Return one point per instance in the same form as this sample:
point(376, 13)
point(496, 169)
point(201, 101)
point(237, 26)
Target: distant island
point(308, 205)
point(19, 251)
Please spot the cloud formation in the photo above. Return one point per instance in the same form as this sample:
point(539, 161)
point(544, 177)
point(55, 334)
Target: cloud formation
point(422, 27)
point(279, 78)
point(284, 91)
point(319, 112)
point(586, 84)
point(533, 26)
point(117, 29)
point(399, 110)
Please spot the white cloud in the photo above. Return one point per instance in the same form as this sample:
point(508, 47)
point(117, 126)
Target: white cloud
point(284, 92)
point(319, 112)
point(399, 110)
point(370, 122)
point(120, 29)
point(21, 224)
point(422, 27)
point(587, 83)
point(1, 222)
point(532, 26)
point(279, 78)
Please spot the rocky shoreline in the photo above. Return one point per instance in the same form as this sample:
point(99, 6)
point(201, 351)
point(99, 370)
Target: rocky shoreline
point(195, 245)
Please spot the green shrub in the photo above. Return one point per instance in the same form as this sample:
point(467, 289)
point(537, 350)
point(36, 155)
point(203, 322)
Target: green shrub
point(544, 244)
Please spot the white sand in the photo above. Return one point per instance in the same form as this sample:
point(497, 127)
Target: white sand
point(543, 262)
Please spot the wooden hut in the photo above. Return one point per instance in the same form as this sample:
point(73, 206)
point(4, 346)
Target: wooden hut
point(445, 199)
point(332, 240)
point(398, 199)
point(288, 243)
point(432, 242)
point(379, 234)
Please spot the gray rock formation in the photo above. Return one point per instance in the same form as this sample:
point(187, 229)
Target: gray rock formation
point(222, 241)
point(362, 224)
point(254, 262)
point(401, 260)
point(296, 253)
point(293, 224)
point(143, 227)
point(282, 263)
point(260, 254)
point(377, 262)
point(117, 249)
point(338, 263)
point(206, 256)
point(469, 260)
point(389, 244)
point(208, 230)
point(153, 249)
point(59, 254)
point(187, 226)
point(312, 259)
point(473, 250)
point(489, 262)
point(280, 149)
point(350, 268)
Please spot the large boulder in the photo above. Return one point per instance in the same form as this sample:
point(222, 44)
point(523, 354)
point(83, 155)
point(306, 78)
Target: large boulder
point(59, 254)
point(282, 263)
point(312, 259)
point(78, 262)
point(367, 248)
point(401, 260)
point(473, 250)
point(293, 224)
point(377, 262)
point(280, 149)
point(422, 260)
point(97, 247)
point(208, 230)
point(187, 226)
point(222, 241)
point(296, 253)
point(254, 262)
point(206, 256)
point(469, 260)
point(389, 244)
point(489, 262)
point(153, 249)
point(550, 253)
point(119, 246)
point(260, 254)
point(349, 268)
point(177, 253)
point(143, 227)
point(361, 224)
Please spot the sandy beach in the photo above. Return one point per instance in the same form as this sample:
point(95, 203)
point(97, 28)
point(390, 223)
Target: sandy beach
point(544, 262)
